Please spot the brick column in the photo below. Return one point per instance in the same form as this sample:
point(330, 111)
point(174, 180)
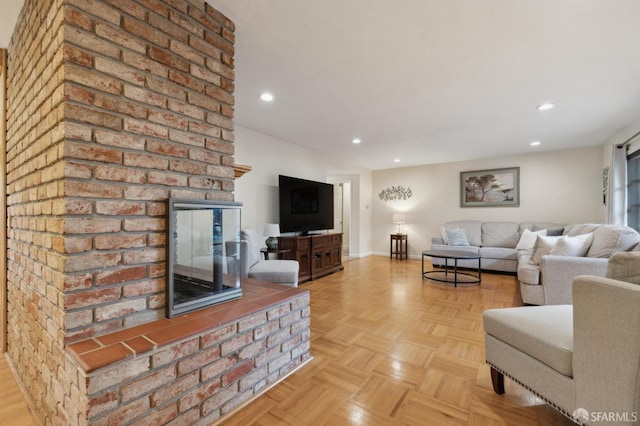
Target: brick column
point(113, 106)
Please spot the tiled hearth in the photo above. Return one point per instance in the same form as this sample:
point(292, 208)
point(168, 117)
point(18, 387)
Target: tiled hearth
point(196, 366)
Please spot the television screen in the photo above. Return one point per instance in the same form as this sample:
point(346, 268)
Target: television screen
point(305, 205)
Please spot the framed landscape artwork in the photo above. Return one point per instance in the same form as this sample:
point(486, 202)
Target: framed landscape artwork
point(490, 188)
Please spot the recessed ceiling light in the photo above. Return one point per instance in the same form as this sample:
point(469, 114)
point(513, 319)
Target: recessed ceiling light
point(535, 143)
point(356, 141)
point(545, 106)
point(266, 96)
point(397, 160)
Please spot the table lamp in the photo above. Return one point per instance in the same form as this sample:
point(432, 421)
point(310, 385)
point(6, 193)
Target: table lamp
point(399, 219)
point(271, 230)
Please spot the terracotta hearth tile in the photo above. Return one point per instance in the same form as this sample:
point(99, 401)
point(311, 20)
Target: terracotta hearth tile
point(268, 290)
point(139, 344)
point(121, 336)
point(182, 331)
point(84, 346)
point(205, 311)
point(102, 357)
point(274, 299)
point(234, 313)
point(254, 285)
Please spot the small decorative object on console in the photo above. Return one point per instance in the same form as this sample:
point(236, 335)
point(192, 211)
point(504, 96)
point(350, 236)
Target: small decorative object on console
point(272, 231)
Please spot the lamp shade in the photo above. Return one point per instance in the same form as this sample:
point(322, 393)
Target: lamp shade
point(399, 218)
point(271, 230)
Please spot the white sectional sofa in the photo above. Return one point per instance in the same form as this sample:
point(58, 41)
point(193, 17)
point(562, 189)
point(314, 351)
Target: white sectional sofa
point(545, 280)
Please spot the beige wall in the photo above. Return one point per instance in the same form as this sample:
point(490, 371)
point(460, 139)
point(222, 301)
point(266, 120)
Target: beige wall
point(270, 157)
point(557, 186)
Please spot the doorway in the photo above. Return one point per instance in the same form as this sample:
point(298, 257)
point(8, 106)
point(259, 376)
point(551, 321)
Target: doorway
point(342, 213)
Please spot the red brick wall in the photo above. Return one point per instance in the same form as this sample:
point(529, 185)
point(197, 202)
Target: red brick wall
point(113, 106)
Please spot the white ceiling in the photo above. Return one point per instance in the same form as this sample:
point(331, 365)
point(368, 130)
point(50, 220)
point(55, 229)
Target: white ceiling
point(431, 81)
point(10, 11)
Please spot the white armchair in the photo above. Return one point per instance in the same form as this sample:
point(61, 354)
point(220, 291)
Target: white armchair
point(583, 359)
point(252, 265)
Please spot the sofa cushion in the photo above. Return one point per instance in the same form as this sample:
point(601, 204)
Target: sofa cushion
point(542, 332)
point(276, 271)
point(572, 246)
point(551, 231)
point(457, 237)
point(528, 273)
point(499, 234)
point(580, 228)
point(464, 249)
point(543, 247)
point(538, 226)
point(471, 227)
point(528, 239)
point(498, 253)
point(609, 239)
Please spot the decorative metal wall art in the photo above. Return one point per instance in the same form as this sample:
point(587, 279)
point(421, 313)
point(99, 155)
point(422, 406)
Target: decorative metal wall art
point(395, 193)
point(605, 185)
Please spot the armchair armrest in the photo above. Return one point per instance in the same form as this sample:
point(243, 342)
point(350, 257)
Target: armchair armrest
point(558, 272)
point(437, 240)
point(606, 340)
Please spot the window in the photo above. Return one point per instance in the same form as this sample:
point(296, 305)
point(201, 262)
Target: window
point(633, 190)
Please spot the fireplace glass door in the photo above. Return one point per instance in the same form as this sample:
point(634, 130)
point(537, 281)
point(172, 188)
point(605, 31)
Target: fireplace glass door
point(199, 270)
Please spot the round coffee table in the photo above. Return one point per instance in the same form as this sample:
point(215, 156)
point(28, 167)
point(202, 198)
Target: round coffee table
point(455, 255)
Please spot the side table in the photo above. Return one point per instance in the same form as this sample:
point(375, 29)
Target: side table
point(401, 249)
point(278, 252)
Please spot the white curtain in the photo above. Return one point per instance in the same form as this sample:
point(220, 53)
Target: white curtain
point(617, 197)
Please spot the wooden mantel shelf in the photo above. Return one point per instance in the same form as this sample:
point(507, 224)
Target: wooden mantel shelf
point(240, 169)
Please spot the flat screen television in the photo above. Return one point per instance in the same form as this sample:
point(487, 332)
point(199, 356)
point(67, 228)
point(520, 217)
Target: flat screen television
point(305, 205)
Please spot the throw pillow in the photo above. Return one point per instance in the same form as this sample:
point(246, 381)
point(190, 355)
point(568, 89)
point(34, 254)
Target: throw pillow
point(609, 239)
point(457, 237)
point(572, 246)
point(443, 233)
point(543, 247)
point(551, 232)
point(528, 239)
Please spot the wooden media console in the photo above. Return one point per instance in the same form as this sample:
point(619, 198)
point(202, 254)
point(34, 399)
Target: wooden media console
point(317, 255)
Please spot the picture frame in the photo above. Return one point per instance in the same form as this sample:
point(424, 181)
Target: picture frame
point(490, 188)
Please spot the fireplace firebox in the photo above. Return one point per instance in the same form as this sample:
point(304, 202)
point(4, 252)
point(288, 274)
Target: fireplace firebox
point(199, 270)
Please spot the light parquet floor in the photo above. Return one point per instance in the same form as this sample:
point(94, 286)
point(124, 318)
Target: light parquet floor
point(389, 349)
point(392, 349)
point(14, 410)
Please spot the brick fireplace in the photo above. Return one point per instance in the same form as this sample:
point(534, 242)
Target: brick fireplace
point(113, 107)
